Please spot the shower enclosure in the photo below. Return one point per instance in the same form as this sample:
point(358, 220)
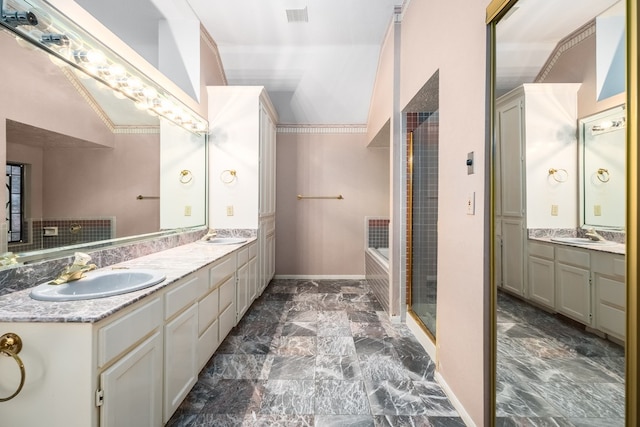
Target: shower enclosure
point(422, 216)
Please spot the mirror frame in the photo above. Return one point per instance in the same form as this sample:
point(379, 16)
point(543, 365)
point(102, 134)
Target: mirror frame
point(494, 11)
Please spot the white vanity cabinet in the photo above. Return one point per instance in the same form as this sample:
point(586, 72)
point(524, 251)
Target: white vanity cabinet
point(133, 368)
point(541, 274)
point(535, 131)
point(573, 283)
point(610, 293)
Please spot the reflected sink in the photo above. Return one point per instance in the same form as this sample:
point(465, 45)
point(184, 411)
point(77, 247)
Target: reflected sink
point(226, 240)
point(98, 284)
point(581, 241)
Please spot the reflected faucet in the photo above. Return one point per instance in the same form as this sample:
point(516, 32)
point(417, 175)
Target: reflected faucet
point(76, 270)
point(592, 234)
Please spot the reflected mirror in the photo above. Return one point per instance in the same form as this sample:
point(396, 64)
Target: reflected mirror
point(560, 307)
point(84, 164)
point(602, 169)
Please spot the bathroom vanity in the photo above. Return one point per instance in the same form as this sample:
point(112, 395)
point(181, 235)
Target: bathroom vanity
point(586, 284)
point(127, 360)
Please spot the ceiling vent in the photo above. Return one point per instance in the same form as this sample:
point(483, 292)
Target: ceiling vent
point(297, 15)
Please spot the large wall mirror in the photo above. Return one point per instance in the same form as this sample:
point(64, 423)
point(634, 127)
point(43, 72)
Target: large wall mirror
point(558, 111)
point(85, 164)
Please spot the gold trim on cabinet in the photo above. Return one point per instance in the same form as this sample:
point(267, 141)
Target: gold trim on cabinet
point(496, 7)
point(632, 349)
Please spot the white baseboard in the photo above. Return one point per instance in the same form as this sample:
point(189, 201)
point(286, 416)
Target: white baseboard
point(317, 277)
point(454, 401)
point(422, 338)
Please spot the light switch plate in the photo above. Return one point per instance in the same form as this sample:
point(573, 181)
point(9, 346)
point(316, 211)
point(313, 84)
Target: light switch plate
point(554, 210)
point(230, 210)
point(597, 210)
point(187, 210)
point(471, 203)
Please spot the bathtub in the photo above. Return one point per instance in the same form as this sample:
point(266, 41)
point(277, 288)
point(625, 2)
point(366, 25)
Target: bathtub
point(377, 274)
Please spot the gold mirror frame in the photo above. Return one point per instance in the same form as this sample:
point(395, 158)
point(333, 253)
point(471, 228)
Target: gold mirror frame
point(495, 10)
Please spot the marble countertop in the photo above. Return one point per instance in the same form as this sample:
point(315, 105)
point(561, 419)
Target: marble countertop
point(175, 263)
point(614, 248)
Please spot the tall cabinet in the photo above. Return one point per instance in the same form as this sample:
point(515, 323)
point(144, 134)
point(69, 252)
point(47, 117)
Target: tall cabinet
point(535, 132)
point(242, 164)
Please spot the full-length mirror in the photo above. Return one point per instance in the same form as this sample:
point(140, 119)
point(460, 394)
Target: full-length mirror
point(559, 284)
point(84, 162)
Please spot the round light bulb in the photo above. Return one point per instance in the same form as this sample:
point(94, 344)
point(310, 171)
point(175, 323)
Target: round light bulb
point(96, 57)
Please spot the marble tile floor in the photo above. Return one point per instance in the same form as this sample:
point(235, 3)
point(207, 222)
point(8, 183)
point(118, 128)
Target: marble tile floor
point(317, 353)
point(553, 373)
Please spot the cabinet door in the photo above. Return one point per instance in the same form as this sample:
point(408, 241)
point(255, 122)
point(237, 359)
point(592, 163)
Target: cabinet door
point(132, 388)
point(510, 133)
point(242, 292)
point(573, 297)
point(513, 256)
point(541, 281)
point(610, 305)
point(181, 359)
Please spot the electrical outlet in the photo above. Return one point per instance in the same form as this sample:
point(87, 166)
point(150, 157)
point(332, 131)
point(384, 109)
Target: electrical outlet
point(230, 210)
point(471, 203)
point(597, 210)
point(554, 210)
point(187, 210)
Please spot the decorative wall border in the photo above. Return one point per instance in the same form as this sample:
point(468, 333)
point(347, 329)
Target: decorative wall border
point(563, 45)
point(360, 129)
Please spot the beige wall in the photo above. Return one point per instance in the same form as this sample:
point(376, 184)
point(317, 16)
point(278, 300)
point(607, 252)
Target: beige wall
point(326, 237)
point(458, 31)
point(381, 106)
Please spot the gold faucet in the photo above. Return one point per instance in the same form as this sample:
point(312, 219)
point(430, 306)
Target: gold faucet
point(592, 234)
point(76, 270)
point(210, 234)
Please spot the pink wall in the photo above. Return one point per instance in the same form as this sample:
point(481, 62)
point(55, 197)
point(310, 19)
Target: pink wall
point(382, 99)
point(326, 237)
point(460, 57)
point(76, 181)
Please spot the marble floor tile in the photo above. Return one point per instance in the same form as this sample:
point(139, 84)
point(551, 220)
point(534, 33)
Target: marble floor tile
point(317, 353)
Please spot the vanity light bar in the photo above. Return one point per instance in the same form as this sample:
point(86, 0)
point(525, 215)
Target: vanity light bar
point(71, 45)
point(609, 125)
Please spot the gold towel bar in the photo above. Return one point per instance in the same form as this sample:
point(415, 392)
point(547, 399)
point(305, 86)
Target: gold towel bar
point(338, 197)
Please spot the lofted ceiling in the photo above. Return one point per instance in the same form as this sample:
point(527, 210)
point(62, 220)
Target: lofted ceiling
point(320, 68)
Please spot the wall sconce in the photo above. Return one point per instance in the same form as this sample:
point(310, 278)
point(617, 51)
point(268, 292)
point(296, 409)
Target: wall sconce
point(71, 45)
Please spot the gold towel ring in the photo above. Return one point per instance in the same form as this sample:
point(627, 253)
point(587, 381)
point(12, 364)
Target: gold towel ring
point(603, 175)
point(185, 176)
point(10, 345)
point(560, 175)
point(232, 175)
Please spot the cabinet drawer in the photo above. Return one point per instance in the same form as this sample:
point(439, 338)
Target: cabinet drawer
point(207, 344)
point(226, 321)
point(221, 271)
point(227, 293)
point(243, 256)
point(609, 264)
point(540, 250)
point(121, 334)
point(572, 256)
point(253, 250)
point(182, 295)
point(207, 311)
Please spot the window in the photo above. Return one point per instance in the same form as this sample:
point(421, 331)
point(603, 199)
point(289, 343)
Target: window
point(15, 202)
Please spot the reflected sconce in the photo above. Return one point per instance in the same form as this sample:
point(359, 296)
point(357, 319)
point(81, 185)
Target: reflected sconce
point(603, 175)
point(70, 45)
point(185, 176)
point(560, 175)
point(228, 176)
point(608, 125)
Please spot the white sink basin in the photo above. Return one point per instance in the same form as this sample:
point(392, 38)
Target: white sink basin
point(226, 240)
point(98, 284)
point(581, 241)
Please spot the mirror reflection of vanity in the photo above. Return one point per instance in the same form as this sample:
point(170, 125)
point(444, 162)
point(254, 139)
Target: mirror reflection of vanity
point(559, 141)
point(86, 165)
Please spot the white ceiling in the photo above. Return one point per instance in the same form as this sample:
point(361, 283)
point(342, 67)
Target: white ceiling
point(318, 72)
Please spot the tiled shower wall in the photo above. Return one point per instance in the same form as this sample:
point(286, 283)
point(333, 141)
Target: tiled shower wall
point(69, 232)
point(377, 233)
